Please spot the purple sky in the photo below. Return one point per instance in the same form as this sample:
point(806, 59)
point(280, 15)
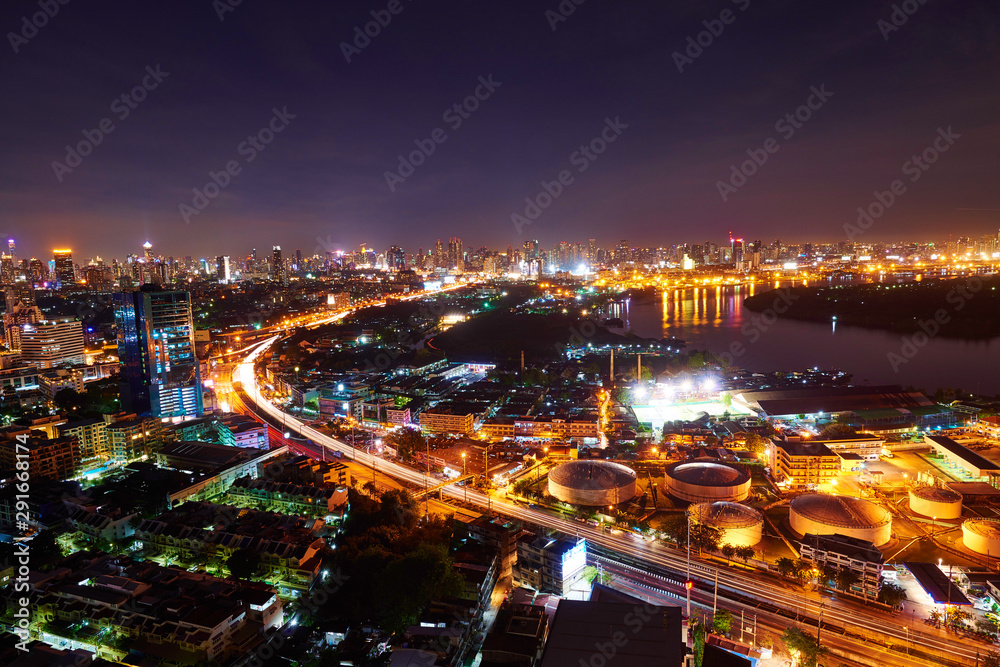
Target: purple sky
point(322, 179)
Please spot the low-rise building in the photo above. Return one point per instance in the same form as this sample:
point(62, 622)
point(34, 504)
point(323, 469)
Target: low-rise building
point(865, 445)
point(447, 418)
point(550, 565)
point(800, 464)
point(290, 498)
point(841, 552)
point(51, 459)
point(170, 615)
point(239, 431)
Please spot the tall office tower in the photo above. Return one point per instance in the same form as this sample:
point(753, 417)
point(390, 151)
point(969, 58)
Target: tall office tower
point(159, 369)
point(147, 252)
point(12, 250)
point(222, 268)
point(50, 343)
point(440, 261)
point(65, 273)
point(6, 269)
point(456, 256)
point(592, 250)
point(298, 260)
point(277, 266)
point(37, 272)
point(395, 259)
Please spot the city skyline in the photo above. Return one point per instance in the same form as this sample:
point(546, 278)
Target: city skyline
point(260, 101)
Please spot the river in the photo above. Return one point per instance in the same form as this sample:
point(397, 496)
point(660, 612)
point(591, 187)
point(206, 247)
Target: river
point(714, 319)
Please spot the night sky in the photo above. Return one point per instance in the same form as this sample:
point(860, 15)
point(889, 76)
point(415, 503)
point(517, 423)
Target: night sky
point(321, 184)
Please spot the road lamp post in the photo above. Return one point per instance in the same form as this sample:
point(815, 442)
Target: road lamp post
point(907, 629)
point(687, 583)
point(465, 483)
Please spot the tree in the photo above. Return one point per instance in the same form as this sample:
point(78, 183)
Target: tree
point(590, 575)
point(991, 659)
point(837, 431)
point(728, 550)
point(756, 443)
point(846, 579)
point(805, 644)
point(244, 563)
point(787, 567)
point(745, 553)
point(45, 551)
point(705, 537)
point(722, 622)
point(407, 442)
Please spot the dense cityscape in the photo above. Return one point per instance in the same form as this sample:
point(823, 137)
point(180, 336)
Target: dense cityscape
point(469, 457)
point(386, 333)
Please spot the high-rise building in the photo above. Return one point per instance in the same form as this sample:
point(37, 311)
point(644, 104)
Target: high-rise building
point(440, 261)
point(396, 258)
point(222, 271)
point(65, 273)
point(6, 269)
point(50, 343)
point(159, 369)
point(456, 256)
point(277, 266)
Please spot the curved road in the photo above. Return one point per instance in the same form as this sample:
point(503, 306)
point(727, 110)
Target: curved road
point(878, 625)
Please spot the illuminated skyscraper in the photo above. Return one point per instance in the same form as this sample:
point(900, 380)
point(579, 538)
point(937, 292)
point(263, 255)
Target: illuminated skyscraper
point(277, 266)
point(222, 271)
point(65, 273)
point(159, 370)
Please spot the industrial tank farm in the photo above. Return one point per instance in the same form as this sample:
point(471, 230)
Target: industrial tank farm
point(982, 536)
point(739, 525)
point(936, 502)
point(707, 481)
point(825, 514)
point(592, 483)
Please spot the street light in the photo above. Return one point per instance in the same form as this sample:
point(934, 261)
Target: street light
point(907, 629)
point(688, 515)
point(465, 484)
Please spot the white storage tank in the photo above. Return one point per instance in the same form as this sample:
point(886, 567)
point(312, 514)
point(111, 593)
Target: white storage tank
point(707, 480)
point(827, 514)
point(936, 502)
point(739, 525)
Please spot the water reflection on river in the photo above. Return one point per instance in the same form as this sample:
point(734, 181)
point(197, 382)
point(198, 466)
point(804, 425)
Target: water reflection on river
point(713, 318)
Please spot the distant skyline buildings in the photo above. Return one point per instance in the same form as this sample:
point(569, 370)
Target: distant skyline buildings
point(70, 270)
